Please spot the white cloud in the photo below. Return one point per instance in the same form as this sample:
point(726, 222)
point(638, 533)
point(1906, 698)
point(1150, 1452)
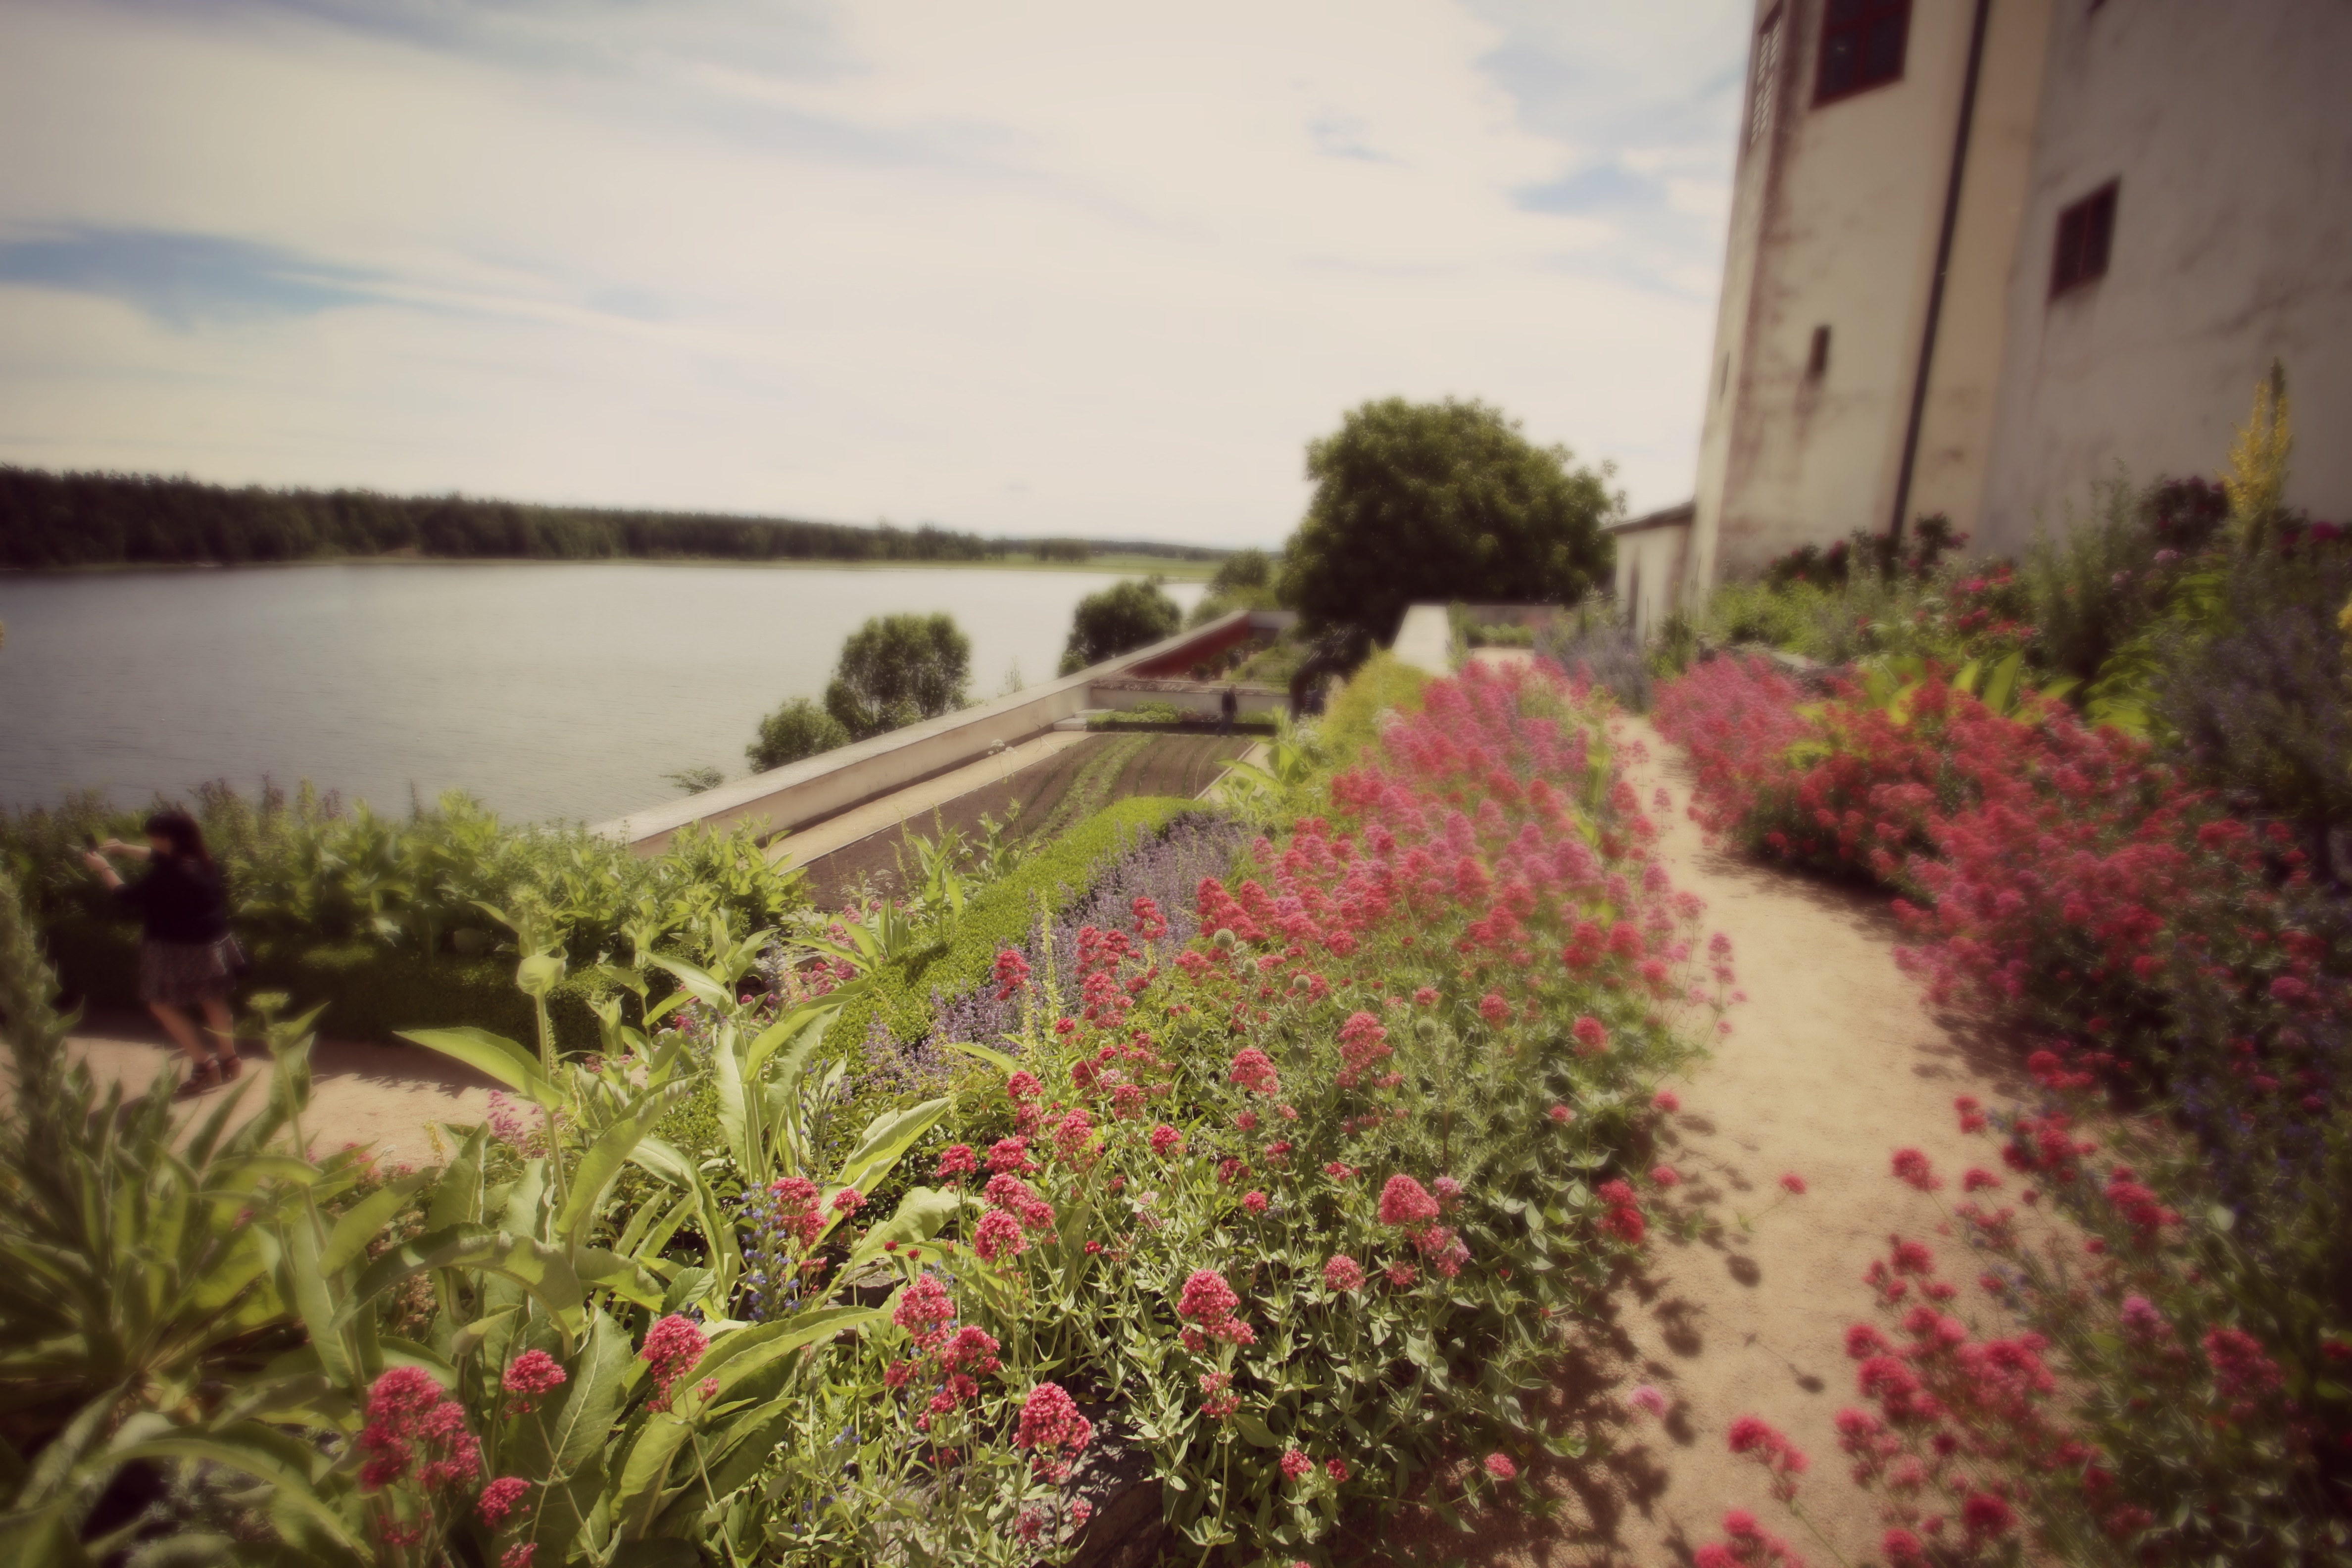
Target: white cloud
point(1034, 266)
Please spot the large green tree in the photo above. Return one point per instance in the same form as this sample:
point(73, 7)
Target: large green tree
point(1244, 581)
point(1420, 501)
point(1122, 618)
point(895, 671)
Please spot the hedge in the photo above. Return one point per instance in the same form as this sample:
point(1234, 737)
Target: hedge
point(370, 990)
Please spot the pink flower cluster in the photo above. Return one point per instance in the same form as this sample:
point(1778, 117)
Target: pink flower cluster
point(1053, 1431)
point(415, 1431)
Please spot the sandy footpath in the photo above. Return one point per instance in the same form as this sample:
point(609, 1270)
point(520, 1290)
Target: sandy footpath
point(1832, 1063)
point(384, 1095)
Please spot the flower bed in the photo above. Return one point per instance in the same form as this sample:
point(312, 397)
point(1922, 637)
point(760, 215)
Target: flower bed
point(1285, 1179)
point(1299, 1198)
point(2172, 1385)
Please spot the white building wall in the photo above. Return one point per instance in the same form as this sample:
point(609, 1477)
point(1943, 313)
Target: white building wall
point(1650, 573)
point(2227, 128)
point(1836, 216)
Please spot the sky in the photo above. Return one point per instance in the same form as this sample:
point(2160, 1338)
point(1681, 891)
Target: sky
point(1027, 266)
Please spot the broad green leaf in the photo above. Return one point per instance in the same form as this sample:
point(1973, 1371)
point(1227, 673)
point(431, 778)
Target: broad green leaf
point(316, 1303)
point(624, 1277)
point(598, 1169)
point(502, 1058)
point(540, 1271)
point(469, 1336)
point(363, 1219)
point(2000, 692)
point(804, 1026)
point(700, 984)
point(458, 1196)
point(637, 1491)
point(988, 1054)
point(887, 1138)
point(793, 1334)
point(920, 1215)
point(269, 1456)
point(1967, 678)
point(664, 1161)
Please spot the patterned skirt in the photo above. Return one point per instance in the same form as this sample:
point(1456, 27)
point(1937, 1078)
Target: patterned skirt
point(182, 975)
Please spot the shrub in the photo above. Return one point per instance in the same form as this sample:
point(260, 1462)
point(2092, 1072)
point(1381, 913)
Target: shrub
point(799, 729)
point(1117, 619)
point(2258, 703)
point(2110, 574)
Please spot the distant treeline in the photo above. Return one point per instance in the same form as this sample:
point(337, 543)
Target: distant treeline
point(95, 520)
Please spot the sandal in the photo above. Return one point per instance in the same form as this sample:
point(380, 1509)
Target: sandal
point(203, 1079)
point(231, 1068)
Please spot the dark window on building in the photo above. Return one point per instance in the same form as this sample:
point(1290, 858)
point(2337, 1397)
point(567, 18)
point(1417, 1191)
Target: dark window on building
point(2086, 231)
point(1861, 46)
point(1817, 363)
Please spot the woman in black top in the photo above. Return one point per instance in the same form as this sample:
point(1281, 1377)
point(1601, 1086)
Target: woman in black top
point(186, 956)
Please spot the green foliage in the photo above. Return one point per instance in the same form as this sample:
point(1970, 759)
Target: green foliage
point(799, 729)
point(1245, 580)
point(697, 780)
point(1119, 619)
point(1381, 684)
point(1444, 500)
point(2098, 584)
point(77, 520)
point(2255, 695)
point(899, 991)
point(217, 1308)
point(897, 671)
point(400, 921)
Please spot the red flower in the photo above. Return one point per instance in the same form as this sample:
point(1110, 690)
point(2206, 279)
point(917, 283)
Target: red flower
point(1166, 1141)
point(1499, 1466)
point(999, 1235)
point(1793, 1181)
point(673, 1346)
point(1012, 974)
point(1405, 1201)
point(1343, 1273)
point(1206, 1297)
point(1911, 1166)
point(1253, 1069)
point(500, 1498)
point(1053, 1430)
point(1295, 1465)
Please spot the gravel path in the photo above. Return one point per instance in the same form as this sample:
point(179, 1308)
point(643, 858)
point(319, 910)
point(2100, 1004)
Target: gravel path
point(1832, 1063)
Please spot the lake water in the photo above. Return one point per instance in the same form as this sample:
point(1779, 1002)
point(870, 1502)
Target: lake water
point(546, 690)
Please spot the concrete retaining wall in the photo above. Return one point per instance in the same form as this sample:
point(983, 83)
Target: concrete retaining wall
point(816, 787)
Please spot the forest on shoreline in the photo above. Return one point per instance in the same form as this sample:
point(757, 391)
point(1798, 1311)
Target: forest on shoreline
point(83, 520)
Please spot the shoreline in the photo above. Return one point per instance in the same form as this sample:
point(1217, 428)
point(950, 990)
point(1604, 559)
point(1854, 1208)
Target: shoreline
point(1113, 565)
